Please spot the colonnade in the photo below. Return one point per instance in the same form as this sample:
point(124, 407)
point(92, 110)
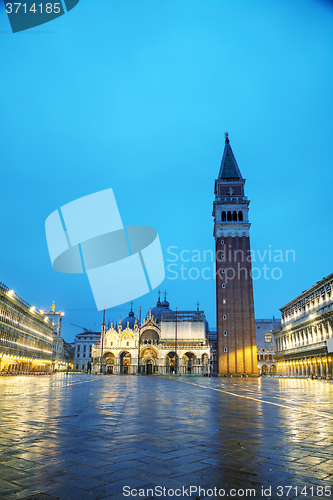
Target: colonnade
point(313, 366)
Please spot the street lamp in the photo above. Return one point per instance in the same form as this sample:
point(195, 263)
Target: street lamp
point(176, 345)
point(102, 339)
point(139, 343)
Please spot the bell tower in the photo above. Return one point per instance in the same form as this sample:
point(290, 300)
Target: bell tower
point(236, 334)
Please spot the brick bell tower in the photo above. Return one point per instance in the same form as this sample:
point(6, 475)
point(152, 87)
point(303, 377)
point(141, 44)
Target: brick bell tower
point(236, 333)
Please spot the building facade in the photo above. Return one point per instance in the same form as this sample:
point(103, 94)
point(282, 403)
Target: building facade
point(26, 336)
point(265, 345)
point(165, 342)
point(83, 350)
point(59, 357)
point(236, 332)
point(303, 344)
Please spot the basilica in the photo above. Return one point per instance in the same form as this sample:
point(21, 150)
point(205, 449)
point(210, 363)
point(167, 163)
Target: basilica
point(165, 342)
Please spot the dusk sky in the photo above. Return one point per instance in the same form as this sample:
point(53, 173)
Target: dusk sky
point(136, 96)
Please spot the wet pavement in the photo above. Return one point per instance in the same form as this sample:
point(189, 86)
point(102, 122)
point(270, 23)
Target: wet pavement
point(78, 437)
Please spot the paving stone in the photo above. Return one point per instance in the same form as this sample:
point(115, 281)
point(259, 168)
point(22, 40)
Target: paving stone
point(71, 493)
point(112, 432)
point(40, 496)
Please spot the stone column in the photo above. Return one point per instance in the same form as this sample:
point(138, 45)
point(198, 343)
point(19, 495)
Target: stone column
point(316, 367)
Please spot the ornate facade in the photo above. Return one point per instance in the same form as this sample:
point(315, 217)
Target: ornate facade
point(236, 334)
point(26, 336)
point(303, 343)
point(165, 342)
point(265, 345)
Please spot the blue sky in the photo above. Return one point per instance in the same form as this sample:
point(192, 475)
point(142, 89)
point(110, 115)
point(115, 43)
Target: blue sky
point(136, 95)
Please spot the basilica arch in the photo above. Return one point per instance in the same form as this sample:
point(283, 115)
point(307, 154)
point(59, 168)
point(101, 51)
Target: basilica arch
point(110, 362)
point(188, 361)
point(125, 362)
point(148, 361)
point(149, 335)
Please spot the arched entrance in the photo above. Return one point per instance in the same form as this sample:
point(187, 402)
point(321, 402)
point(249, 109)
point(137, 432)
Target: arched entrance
point(205, 364)
point(188, 362)
point(272, 371)
point(125, 361)
point(149, 367)
point(110, 361)
point(264, 370)
point(148, 361)
point(171, 362)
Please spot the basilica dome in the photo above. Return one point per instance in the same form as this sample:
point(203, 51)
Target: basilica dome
point(130, 319)
point(159, 308)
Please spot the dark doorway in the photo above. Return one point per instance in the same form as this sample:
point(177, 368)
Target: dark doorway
point(149, 368)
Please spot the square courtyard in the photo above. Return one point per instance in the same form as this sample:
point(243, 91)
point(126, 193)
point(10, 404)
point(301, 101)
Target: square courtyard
point(78, 437)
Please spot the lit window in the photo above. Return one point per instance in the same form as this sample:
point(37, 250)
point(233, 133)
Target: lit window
point(223, 285)
point(268, 337)
point(224, 316)
point(224, 301)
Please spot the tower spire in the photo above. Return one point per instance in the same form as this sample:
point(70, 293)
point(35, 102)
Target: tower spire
point(229, 168)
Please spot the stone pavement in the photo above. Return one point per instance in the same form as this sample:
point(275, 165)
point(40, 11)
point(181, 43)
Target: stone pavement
point(85, 437)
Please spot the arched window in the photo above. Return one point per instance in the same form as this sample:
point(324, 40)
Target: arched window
point(234, 216)
point(240, 216)
point(223, 216)
point(268, 337)
point(229, 216)
point(270, 357)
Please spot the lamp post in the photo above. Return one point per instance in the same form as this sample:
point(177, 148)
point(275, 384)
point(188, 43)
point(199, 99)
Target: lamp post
point(139, 343)
point(176, 345)
point(102, 339)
